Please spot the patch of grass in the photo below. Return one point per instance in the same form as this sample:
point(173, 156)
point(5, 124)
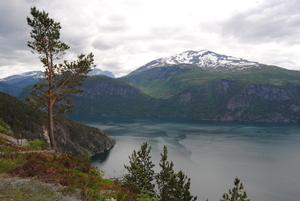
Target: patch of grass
point(7, 165)
point(38, 144)
point(75, 173)
point(107, 182)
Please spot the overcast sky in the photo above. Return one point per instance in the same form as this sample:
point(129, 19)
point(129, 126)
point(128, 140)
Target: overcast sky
point(126, 34)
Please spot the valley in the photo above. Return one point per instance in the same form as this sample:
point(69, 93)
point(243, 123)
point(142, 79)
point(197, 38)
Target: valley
point(195, 85)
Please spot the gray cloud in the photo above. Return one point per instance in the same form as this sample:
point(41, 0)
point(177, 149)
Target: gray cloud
point(275, 21)
point(14, 33)
point(126, 34)
point(112, 24)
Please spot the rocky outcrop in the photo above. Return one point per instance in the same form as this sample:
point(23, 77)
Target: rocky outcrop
point(14, 141)
point(262, 103)
point(76, 138)
point(71, 137)
point(252, 93)
point(228, 100)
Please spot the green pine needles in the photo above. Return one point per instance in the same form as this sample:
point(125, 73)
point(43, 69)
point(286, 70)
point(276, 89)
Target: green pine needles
point(171, 186)
point(237, 193)
point(140, 172)
point(61, 79)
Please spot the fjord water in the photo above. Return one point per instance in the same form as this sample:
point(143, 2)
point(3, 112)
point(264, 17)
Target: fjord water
point(265, 156)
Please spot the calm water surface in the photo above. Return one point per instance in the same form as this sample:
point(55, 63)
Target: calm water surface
point(265, 156)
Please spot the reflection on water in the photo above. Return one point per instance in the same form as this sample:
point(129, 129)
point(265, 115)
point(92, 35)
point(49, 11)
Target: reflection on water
point(265, 156)
point(101, 158)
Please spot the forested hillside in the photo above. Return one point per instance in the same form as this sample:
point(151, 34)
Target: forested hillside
point(266, 94)
point(31, 123)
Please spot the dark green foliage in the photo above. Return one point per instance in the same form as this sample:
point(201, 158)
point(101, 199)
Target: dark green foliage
point(182, 192)
point(172, 186)
point(186, 91)
point(140, 171)
point(17, 128)
point(38, 144)
point(13, 110)
point(61, 80)
point(72, 136)
point(166, 179)
point(4, 128)
point(237, 193)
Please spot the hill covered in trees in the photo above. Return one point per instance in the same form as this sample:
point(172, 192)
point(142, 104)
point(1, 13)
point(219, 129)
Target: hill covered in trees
point(31, 123)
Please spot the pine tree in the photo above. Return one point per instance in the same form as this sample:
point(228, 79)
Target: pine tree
point(166, 178)
point(140, 171)
point(183, 184)
point(237, 193)
point(61, 80)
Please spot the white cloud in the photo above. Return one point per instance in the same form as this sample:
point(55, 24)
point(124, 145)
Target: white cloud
point(126, 34)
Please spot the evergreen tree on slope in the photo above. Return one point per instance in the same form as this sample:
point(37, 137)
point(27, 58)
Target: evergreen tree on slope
point(140, 171)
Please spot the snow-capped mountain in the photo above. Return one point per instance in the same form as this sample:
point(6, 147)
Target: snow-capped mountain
point(209, 61)
point(28, 78)
point(19, 77)
point(97, 71)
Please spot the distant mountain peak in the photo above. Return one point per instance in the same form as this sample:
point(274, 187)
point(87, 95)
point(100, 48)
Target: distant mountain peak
point(15, 78)
point(208, 60)
point(97, 71)
point(31, 77)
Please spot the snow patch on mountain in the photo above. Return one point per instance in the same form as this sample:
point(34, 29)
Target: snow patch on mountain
point(38, 74)
point(209, 61)
point(97, 71)
point(31, 74)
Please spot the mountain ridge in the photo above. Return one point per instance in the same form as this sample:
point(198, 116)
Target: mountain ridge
point(205, 59)
point(173, 87)
point(15, 83)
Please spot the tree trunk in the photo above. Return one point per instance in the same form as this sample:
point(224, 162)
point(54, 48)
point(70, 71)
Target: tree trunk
point(50, 127)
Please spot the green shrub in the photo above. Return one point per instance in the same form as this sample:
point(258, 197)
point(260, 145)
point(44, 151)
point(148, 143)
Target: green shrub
point(4, 128)
point(107, 182)
point(7, 165)
point(38, 144)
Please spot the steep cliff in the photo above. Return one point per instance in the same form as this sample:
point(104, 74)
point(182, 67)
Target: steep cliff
point(104, 95)
point(71, 136)
point(239, 101)
point(268, 94)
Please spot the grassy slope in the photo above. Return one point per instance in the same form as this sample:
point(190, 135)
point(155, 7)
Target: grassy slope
point(51, 176)
point(208, 96)
point(164, 81)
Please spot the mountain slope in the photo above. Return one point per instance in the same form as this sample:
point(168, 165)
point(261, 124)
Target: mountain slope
point(24, 79)
point(253, 94)
point(32, 77)
point(70, 136)
point(186, 91)
point(225, 88)
point(205, 59)
point(97, 71)
point(12, 90)
point(104, 95)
